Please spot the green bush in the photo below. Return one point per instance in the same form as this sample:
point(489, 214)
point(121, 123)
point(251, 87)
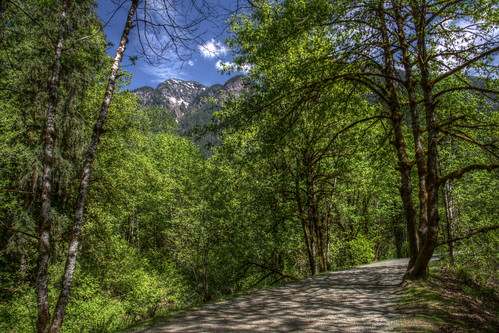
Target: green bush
point(95, 312)
point(361, 250)
point(18, 313)
point(113, 295)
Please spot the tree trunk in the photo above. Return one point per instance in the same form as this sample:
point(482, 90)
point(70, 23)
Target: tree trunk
point(415, 124)
point(316, 222)
point(67, 279)
point(313, 249)
point(398, 235)
point(23, 268)
point(328, 241)
point(43, 320)
point(430, 230)
point(448, 199)
point(308, 233)
point(404, 166)
point(447, 190)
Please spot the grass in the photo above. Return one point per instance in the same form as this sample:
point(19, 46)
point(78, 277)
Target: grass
point(447, 302)
point(172, 314)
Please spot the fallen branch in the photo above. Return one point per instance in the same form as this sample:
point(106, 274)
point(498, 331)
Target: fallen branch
point(263, 278)
point(469, 234)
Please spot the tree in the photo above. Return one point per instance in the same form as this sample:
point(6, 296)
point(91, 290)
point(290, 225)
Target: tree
point(405, 53)
point(141, 14)
point(34, 84)
point(301, 128)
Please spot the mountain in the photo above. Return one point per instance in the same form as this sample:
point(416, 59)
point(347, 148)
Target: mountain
point(182, 97)
point(192, 104)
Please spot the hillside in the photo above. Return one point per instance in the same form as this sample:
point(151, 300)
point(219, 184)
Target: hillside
point(192, 104)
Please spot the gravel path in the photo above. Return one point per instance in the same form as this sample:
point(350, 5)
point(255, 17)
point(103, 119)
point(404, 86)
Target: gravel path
point(355, 300)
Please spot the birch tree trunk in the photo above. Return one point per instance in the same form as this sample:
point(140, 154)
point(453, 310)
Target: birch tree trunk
point(448, 197)
point(448, 201)
point(49, 135)
point(67, 279)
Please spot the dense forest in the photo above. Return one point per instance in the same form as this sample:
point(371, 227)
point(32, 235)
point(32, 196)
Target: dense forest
point(366, 130)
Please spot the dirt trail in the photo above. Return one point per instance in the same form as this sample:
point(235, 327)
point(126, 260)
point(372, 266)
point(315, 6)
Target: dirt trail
point(355, 300)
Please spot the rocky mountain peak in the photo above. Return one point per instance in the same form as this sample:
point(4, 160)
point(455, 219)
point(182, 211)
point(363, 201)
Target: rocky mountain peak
point(180, 96)
point(173, 94)
point(234, 86)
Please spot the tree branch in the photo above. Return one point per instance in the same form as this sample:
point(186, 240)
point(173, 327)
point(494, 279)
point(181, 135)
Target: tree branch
point(459, 173)
point(469, 234)
point(450, 121)
point(470, 87)
point(3, 226)
point(464, 65)
point(466, 138)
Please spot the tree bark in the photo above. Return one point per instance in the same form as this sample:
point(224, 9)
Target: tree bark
point(49, 136)
point(430, 227)
point(67, 279)
point(448, 200)
point(416, 126)
point(404, 166)
point(398, 235)
point(449, 215)
point(308, 233)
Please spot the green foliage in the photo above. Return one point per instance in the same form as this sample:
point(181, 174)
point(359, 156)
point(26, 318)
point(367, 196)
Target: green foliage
point(18, 311)
point(476, 208)
point(123, 289)
point(308, 55)
point(360, 249)
point(303, 181)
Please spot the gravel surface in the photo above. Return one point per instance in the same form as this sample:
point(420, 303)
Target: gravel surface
point(360, 299)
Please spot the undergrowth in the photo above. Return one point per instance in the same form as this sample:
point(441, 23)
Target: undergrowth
point(449, 301)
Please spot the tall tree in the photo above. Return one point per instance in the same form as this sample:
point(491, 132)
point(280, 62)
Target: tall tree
point(49, 138)
point(405, 53)
point(67, 279)
point(152, 19)
point(300, 126)
point(37, 87)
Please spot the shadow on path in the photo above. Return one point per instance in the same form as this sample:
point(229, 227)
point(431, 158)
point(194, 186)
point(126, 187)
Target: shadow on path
point(355, 300)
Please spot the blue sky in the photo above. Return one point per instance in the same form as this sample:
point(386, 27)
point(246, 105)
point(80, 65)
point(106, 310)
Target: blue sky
point(202, 66)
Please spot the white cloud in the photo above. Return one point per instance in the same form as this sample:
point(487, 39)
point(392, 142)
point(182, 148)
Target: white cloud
point(468, 39)
point(173, 67)
point(161, 72)
point(231, 67)
point(212, 49)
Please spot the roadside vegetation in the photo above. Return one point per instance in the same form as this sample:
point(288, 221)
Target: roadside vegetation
point(367, 130)
point(452, 299)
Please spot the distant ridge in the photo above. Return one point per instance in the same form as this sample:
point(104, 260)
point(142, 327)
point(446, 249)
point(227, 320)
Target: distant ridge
point(181, 96)
point(192, 104)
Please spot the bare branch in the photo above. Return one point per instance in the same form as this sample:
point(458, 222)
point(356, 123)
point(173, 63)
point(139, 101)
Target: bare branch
point(464, 65)
point(470, 87)
point(451, 120)
point(468, 139)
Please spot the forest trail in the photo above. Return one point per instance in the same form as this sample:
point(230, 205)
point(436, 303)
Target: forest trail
point(360, 299)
